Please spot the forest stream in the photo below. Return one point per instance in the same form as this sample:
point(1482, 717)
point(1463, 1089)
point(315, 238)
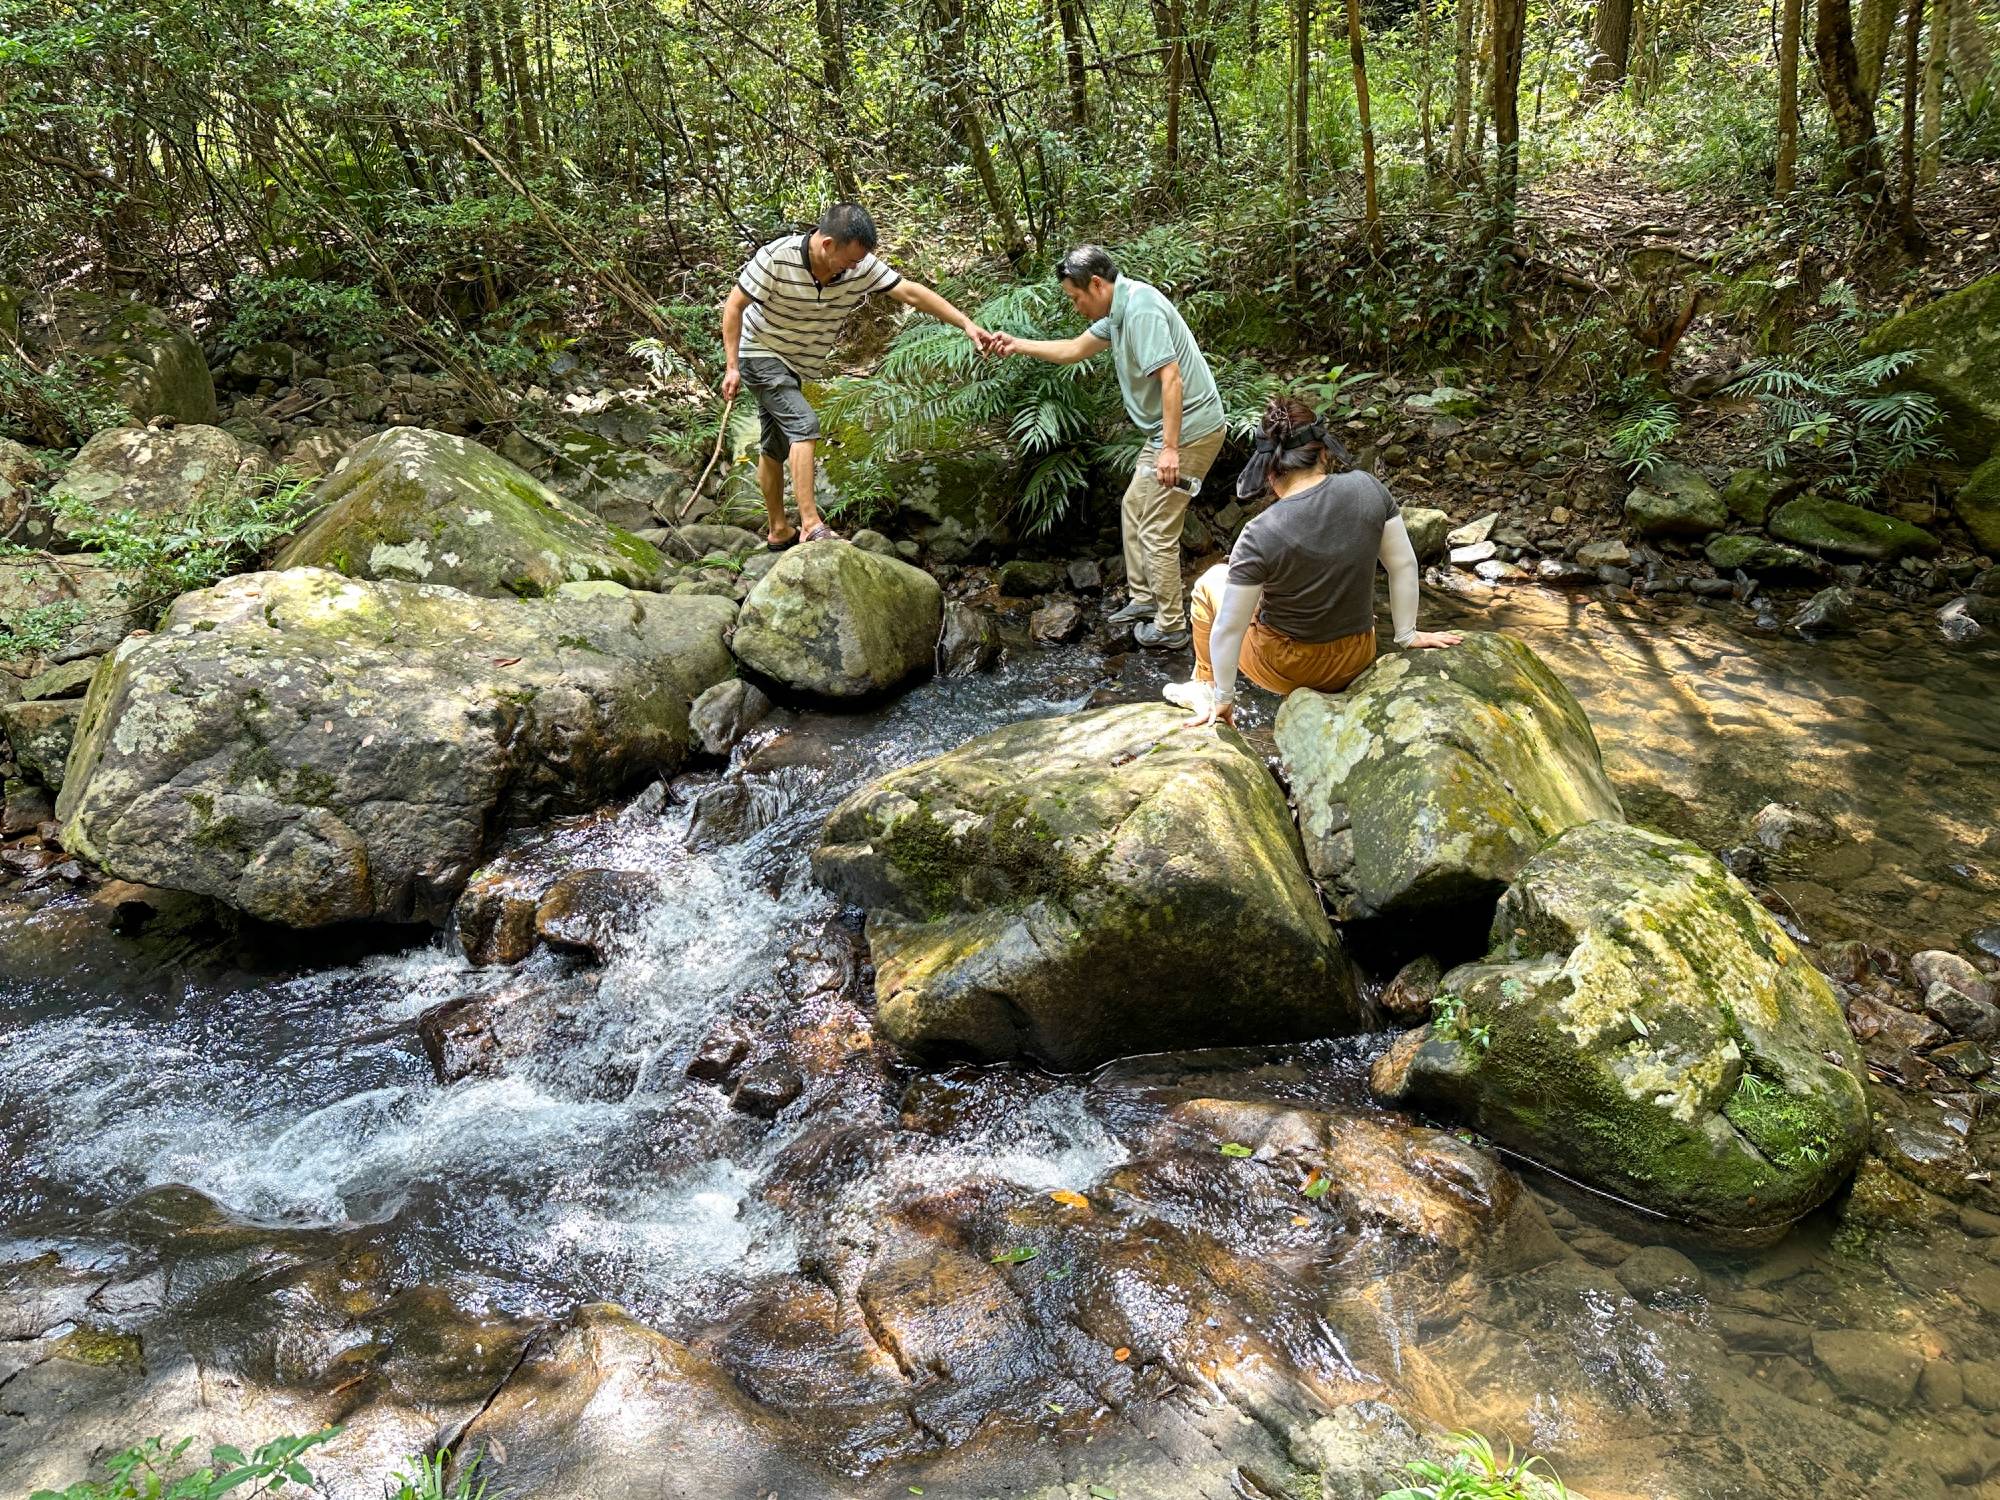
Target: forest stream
point(241, 1201)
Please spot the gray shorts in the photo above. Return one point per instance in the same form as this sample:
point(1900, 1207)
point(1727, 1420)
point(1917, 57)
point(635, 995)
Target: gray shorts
point(782, 412)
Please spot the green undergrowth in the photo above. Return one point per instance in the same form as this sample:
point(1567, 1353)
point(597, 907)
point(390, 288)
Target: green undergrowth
point(1477, 1472)
point(152, 1470)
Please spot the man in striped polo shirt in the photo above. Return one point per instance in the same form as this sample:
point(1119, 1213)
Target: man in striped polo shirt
point(780, 323)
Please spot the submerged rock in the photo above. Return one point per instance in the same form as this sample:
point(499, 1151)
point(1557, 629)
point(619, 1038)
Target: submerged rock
point(1437, 774)
point(833, 621)
point(1829, 612)
point(1643, 1024)
point(426, 507)
point(1081, 887)
point(311, 749)
point(157, 471)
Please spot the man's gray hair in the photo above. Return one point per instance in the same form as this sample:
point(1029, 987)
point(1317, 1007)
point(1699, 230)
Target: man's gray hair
point(1085, 262)
point(848, 224)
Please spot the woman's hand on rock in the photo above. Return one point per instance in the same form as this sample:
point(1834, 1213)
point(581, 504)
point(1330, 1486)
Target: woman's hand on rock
point(1425, 640)
point(1226, 713)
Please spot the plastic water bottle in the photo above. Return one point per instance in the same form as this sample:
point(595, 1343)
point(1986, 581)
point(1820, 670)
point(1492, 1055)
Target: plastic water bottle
point(1190, 483)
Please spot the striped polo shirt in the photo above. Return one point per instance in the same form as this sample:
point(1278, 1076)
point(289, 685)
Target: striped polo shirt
point(793, 317)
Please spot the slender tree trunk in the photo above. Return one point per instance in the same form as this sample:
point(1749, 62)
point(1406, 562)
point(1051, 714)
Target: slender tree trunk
point(1168, 13)
point(1301, 99)
point(951, 40)
point(1426, 86)
point(1610, 43)
point(526, 105)
point(1072, 34)
point(827, 21)
point(1935, 65)
point(1913, 25)
point(1638, 55)
point(1461, 86)
point(1510, 25)
point(1788, 99)
point(475, 85)
point(1851, 108)
point(1873, 21)
point(1355, 49)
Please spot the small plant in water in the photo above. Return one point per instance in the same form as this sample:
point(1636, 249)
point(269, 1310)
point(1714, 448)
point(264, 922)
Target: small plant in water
point(147, 1472)
point(1476, 1472)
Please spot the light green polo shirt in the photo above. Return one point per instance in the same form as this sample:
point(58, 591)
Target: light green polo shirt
point(1145, 332)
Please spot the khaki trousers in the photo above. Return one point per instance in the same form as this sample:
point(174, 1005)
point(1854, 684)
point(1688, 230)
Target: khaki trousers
point(1151, 516)
point(1272, 659)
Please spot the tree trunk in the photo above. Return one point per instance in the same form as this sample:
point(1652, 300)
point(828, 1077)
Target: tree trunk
point(827, 21)
point(1935, 66)
point(1169, 15)
point(1610, 43)
point(1372, 211)
point(1461, 86)
point(1510, 25)
point(475, 48)
point(951, 41)
point(1425, 87)
point(1858, 168)
point(1301, 98)
point(1971, 56)
point(1872, 25)
point(1913, 25)
point(1072, 33)
point(1788, 99)
point(526, 105)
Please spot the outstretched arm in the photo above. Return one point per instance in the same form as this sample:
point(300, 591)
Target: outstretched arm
point(1225, 648)
point(924, 300)
point(1053, 351)
point(1400, 559)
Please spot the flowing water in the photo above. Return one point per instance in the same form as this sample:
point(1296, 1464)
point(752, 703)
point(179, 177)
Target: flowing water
point(284, 1084)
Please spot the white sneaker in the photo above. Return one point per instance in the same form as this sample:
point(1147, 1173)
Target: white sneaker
point(1135, 609)
point(1192, 695)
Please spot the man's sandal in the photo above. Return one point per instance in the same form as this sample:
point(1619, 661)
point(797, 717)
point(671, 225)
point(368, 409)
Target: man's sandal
point(822, 533)
point(772, 546)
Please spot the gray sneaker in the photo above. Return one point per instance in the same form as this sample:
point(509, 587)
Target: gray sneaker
point(1135, 609)
point(1146, 633)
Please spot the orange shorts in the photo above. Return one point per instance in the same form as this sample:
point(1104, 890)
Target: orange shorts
point(1271, 659)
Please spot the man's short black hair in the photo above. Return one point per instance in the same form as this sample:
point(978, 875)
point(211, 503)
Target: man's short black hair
point(848, 224)
point(1085, 262)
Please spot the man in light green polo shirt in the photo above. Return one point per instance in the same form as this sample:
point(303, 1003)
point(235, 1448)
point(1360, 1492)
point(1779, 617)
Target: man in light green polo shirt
point(1171, 397)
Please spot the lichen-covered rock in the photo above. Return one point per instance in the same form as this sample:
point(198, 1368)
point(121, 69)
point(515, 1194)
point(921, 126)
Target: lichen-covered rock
point(956, 504)
point(155, 365)
point(1437, 774)
point(1081, 887)
point(1673, 500)
point(833, 621)
point(1977, 506)
point(1427, 529)
point(1826, 525)
point(1958, 334)
point(1644, 1025)
point(427, 507)
point(40, 734)
point(19, 468)
point(312, 749)
point(156, 471)
point(76, 601)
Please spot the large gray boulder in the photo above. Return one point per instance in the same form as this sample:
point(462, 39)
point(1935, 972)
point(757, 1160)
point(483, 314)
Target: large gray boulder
point(834, 621)
point(1957, 335)
point(154, 364)
point(312, 749)
point(159, 472)
point(1644, 1025)
point(426, 507)
point(1436, 775)
point(1080, 887)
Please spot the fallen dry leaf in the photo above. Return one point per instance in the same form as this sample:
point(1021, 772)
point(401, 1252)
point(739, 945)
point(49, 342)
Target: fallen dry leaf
point(1070, 1199)
point(1121, 1355)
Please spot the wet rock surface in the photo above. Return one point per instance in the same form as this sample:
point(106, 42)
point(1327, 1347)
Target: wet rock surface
point(832, 621)
point(1069, 889)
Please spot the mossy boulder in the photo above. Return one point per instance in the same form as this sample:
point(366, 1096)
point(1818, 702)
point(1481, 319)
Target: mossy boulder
point(311, 749)
point(1826, 525)
point(93, 604)
point(1673, 500)
point(1756, 554)
point(1427, 529)
point(1978, 506)
point(154, 364)
point(426, 507)
point(1076, 888)
point(156, 471)
point(1429, 782)
point(1642, 1024)
point(1957, 334)
point(956, 504)
point(1750, 493)
point(20, 468)
point(834, 621)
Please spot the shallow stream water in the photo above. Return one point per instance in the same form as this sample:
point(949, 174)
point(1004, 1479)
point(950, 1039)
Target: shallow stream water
point(290, 1093)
